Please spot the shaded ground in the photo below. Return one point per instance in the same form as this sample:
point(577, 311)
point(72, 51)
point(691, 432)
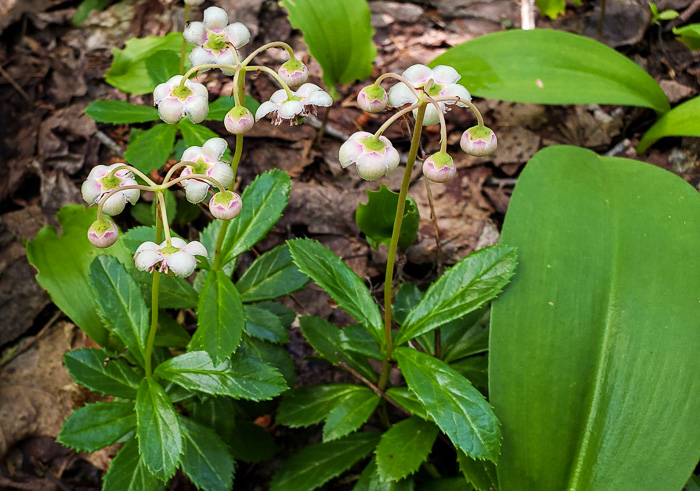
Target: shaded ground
point(51, 71)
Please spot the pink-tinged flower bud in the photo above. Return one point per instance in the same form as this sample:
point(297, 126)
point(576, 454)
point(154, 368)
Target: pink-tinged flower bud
point(239, 120)
point(439, 167)
point(178, 257)
point(103, 233)
point(372, 99)
point(479, 141)
point(375, 157)
point(293, 73)
point(225, 205)
point(194, 3)
point(175, 102)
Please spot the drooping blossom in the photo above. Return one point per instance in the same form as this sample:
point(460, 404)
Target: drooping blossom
point(239, 120)
point(293, 73)
point(206, 160)
point(99, 183)
point(175, 102)
point(372, 99)
point(103, 233)
point(479, 141)
point(178, 257)
point(439, 167)
point(301, 103)
point(225, 205)
point(374, 157)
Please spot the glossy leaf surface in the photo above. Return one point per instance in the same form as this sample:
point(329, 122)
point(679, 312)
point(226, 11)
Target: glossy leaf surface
point(376, 218)
point(598, 334)
point(127, 472)
point(151, 148)
point(91, 368)
point(350, 414)
point(305, 406)
point(682, 120)
point(404, 447)
point(205, 459)
point(265, 325)
point(271, 275)
point(121, 112)
point(95, 426)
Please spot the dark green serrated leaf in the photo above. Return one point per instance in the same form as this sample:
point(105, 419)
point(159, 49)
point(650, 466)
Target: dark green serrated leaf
point(195, 135)
point(327, 340)
point(98, 425)
point(466, 336)
point(158, 430)
point(305, 406)
point(63, 264)
point(121, 112)
point(350, 414)
point(221, 317)
point(121, 303)
point(452, 403)
point(480, 473)
point(693, 484)
point(376, 218)
point(162, 65)
point(265, 325)
point(272, 275)
point(263, 202)
point(465, 287)
point(406, 298)
point(127, 472)
point(315, 465)
point(682, 120)
point(90, 367)
point(83, 11)
point(222, 105)
point(170, 334)
point(286, 315)
point(475, 369)
point(205, 458)
point(404, 447)
point(270, 354)
point(407, 400)
point(344, 286)
point(356, 339)
point(251, 443)
point(151, 149)
point(370, 481)
point(243, 378)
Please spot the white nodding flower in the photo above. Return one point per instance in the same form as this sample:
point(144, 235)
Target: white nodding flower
point(444, 85)
point(175, 102)
point(103, 233)
point(301, 103)
point(225, 205)
point(215, 40)
point(374, 157)
point(206, 160)
point(178, 257)
point(439, 167)
point(239, 120)
point(479, 141)
point(194, 3)
point(99, 183)
point(293, 73)
point(372, 99)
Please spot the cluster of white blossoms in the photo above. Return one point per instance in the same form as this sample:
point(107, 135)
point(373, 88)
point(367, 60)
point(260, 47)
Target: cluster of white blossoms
point(437, 89)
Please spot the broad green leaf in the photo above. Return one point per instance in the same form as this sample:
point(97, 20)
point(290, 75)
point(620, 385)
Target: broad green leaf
point(128, 72)
point(475, 369)
point(222, 105)
point(265, 325)
point(221, 317)
point(157, 430)
point(163, 65)
point(688, 35)
point(693, 483)
point(356, 339)
point(205, 458)
point(263, 202)
point(151, 148)
point(96, 426)
point(452, 403)
point(121, 303)
point(93, 369)
point(63, 264)
point(305, 406)
point(542, 66)
point(463, 288)
point(407, 296)
point(594, 367)
point(127, 472)
point(317, 464)
point(327, 339)
point(121, 112)
point(551, 8)
point(480, 473)
point(271, 275)
point(407, 400)
point(682, 120)
point(404, 447)
point(195, 135)
point(466, 336)
point(344, 286)
point(241, 378)
point(376, 218)
point(339, 36)
point(170, 334)
point(285, 314)
point(371, 481)
point(83, 11)
point(447, 484)
point(270, 354)
point(350, 414)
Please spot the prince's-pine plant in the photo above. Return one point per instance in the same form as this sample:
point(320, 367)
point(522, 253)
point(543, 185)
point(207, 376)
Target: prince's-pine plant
point(439, 345)
point(174, 396)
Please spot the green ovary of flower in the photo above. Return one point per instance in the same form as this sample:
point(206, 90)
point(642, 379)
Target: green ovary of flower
point(434, 90)
point(101, 226)
point(216, 42)
point(170, 249)
point(373, 145)
point(112, 182)
point(200, 167)
point(181, 93)
point(223, 197)
point(375, 92)
point(480, 133)
point(442, 160)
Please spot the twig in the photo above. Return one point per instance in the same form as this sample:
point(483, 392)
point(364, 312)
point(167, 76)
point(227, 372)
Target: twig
point(109, 143)
point(527, 14)
point(14, 84)
point(369, 384)
point(685, 16)
point(601, 20)
point(434, 219)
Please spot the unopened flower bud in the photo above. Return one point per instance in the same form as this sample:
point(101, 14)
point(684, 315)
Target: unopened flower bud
point(439, 167)
point(239, 120)
point(479, 141)
point(372, 99)
point(293, 73)
point(225, 205)
point(374, 157)
point(103, 233)
point(194, 3)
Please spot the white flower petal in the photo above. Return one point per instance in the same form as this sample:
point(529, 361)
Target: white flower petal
point(290, 109)
point(171, 110)
point(221, 172)
point(196, 249)
point(148, 246)
point(400, 94)
point(456, 90)
point(319, 98)
point(264, 109)
point(198, 89)
point(195, 190)
point(371, 166)
point(279, 97)
point(237, 34)
point(201, 56)
point(181, 263)
point(431, 114)
point(114, 205)
point(392, 159)
point(191, 154)
point(176, 242)
point(161, 92)
point(98, 171)
point(349, 152)
point(306, 90)
point(91, 190)
point(214, 149)
point(445, 75)
point(175, 80)
point(146, 259)
point(194, 33)
point(362, 134)
point(197, 108)
point(215, 18)
point(417, 74)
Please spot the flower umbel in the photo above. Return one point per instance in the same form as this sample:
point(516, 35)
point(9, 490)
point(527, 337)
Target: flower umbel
point(100, 182)
point(215, 39)
point(375, 157)
point(175, 102)
point(205, 160)
point(301, 103)
point(177, 257)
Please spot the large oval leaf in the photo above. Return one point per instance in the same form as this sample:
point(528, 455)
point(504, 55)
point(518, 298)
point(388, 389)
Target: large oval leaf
point(594, 364)
point(682, 120)
point(543, 66)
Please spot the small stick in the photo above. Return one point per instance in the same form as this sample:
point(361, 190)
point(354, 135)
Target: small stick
point(12, 82)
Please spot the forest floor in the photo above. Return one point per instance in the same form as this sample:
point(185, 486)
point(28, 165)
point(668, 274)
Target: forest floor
point(50, 71)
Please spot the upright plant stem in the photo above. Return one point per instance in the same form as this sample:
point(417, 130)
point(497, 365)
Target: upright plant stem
point(224, 227)
point(389, 278)
point(154, 298)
